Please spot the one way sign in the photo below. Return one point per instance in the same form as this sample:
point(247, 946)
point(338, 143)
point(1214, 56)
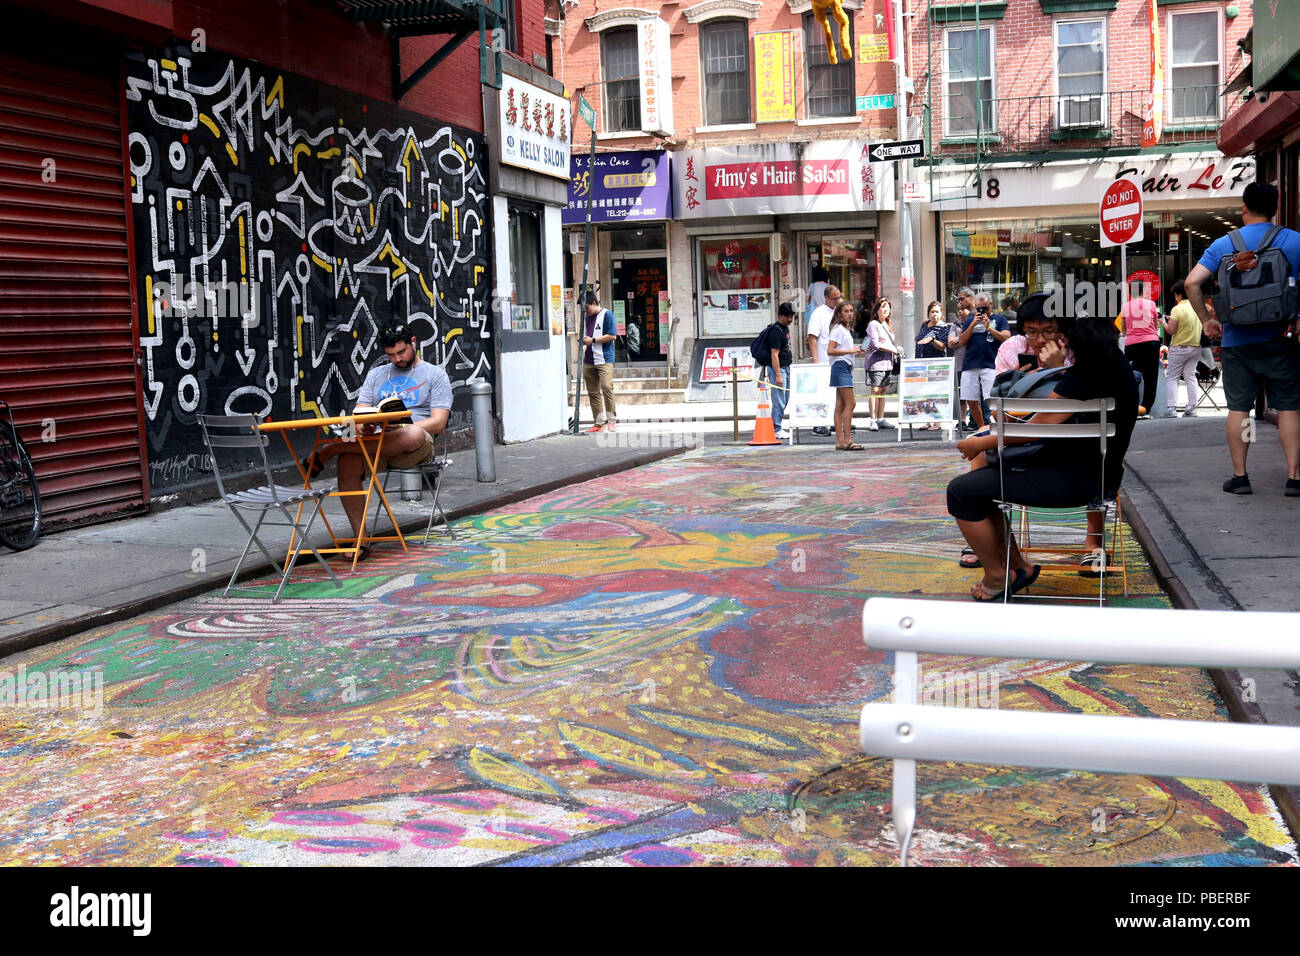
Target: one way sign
point(885, 152)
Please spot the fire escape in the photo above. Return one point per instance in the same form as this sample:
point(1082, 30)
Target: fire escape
point(457, 20)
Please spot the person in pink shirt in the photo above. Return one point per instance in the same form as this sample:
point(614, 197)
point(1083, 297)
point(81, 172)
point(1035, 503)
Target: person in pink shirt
point(1142, 343)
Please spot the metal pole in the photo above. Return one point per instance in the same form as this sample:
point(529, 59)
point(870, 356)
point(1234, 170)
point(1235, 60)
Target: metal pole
point(582, 293)
point(484, 432)
point(907, 299)
point(735, 404)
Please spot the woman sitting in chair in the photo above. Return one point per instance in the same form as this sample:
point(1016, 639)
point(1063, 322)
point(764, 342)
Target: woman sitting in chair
point(1063, 473)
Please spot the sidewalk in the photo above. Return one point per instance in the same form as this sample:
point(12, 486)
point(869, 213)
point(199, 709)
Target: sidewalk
point(89, 576)
point(1217, 551)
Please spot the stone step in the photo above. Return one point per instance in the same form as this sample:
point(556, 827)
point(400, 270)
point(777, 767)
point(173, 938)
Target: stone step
point(628, 385)
point(649, 396)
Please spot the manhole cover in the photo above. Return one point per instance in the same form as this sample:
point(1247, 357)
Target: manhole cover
point(1044, 811)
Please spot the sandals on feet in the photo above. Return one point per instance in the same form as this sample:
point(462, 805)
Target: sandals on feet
point(853, 447)
point(1093, 562)
point(969, 565)
point(313, 466)
point(1017, 583)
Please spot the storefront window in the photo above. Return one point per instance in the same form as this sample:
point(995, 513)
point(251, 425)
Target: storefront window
point(736, 293)
point(850, 261)
point(526, 310)
point(1014, 257)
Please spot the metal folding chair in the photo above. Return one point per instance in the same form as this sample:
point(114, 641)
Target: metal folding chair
point(1052, 537)
point(1207, 378)
point(240, 432)
point(430, 473)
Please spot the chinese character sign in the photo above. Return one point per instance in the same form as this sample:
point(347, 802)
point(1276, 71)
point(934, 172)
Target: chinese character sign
point(534, 128)
point(774, 77)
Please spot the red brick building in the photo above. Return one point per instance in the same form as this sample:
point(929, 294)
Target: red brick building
point(711, 93)
point(217, 205)
point(1031, 107)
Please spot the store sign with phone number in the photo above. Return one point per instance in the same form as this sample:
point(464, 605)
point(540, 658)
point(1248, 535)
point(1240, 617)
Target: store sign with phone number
point(1207, 175)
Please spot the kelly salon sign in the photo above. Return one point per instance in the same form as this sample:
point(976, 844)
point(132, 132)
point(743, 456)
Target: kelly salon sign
point(827, 176)
point(534, 128)
point(774, 77)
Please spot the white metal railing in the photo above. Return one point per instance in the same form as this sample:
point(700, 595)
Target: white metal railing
point(908, 732)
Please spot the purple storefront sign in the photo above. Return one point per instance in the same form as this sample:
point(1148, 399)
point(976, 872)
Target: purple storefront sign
point(632, 186)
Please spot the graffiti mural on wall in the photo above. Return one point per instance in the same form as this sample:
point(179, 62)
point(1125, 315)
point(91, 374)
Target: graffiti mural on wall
point(279, 226)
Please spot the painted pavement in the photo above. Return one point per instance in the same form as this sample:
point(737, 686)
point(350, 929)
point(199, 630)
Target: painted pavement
point(661, 667)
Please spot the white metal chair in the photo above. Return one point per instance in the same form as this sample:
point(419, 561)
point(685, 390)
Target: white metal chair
point(240, 432)
point(431, 474)
point(1053, 538)
point(907, 732)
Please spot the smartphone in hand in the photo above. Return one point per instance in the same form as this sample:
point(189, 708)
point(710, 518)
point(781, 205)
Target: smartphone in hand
point(1027, 358)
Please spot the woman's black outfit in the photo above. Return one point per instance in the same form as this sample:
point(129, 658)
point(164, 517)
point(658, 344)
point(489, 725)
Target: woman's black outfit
point(1066, 472)
point(1145, 358)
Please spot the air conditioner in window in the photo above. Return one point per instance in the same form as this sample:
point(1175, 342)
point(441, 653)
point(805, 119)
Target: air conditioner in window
point(1081, 111)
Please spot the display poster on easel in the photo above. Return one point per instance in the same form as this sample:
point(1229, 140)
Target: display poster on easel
point(812, 400)
point(925, 391)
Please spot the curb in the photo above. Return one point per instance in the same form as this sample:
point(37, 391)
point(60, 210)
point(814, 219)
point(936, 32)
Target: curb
point(1226, 682)
point(76, 625)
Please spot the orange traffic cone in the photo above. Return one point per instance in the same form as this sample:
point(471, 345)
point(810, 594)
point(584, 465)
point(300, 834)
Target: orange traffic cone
point(764, 433)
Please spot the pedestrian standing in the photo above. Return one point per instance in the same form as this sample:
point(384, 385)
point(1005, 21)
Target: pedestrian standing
point(1183, 330)
point(882, 351)
point(819, 329)
point(840, 349)
point(982, 335)
point(1263, 354)
point(1142, 345)
point(775, 364)
point(598, 364)
point(932, 340)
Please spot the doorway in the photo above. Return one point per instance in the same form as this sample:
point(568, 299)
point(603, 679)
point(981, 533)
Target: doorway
point(639, 302)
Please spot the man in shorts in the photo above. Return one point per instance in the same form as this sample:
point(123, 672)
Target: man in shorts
point(1255, 355)
point(426, 391)
point(819, 334)
point(983, 333)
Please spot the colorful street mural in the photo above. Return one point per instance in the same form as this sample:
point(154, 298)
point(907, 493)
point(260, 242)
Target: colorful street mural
point(279, 225)
point(661, 667)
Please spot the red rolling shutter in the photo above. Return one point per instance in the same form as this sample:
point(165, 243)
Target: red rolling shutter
point(67, 339)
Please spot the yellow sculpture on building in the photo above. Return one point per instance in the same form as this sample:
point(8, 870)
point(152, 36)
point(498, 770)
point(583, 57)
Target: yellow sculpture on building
point(821, 9)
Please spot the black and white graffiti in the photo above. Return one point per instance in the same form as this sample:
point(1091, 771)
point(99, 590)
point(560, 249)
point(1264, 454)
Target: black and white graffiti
point(279, 225)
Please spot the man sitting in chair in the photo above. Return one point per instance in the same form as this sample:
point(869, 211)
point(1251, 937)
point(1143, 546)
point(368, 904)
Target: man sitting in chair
point(1062, 473)
point(426, 391)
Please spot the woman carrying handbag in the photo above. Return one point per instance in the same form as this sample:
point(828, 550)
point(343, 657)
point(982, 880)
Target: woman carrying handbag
point(883, 360)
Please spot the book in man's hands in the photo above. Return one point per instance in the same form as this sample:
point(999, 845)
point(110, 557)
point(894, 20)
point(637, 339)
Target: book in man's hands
point(392, 403)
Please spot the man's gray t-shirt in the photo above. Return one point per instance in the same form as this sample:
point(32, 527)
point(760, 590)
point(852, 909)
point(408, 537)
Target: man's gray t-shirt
point(423, 387)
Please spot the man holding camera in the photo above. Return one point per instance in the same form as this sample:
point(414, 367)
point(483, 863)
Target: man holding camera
point(981, 336)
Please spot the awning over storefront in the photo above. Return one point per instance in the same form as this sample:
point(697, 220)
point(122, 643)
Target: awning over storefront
point(1194, 177)
point(1255, 123)
point(780, 179)
point(624, 187)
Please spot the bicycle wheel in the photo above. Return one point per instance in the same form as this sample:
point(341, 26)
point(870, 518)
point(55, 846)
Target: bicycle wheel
point(20, 500)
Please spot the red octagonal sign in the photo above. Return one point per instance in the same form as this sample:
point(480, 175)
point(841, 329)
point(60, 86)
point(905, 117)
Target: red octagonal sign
point(1121, 213)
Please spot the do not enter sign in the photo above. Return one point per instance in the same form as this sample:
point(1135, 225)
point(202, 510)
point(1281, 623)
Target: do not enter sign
point(1121, 213)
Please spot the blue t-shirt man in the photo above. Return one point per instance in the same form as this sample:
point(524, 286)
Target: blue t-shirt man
point(422, 387)
point(982, 348)
point(1288, 240)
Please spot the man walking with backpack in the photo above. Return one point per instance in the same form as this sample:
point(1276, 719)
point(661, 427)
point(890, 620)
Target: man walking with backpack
point(771, 351)
point(1257, 267)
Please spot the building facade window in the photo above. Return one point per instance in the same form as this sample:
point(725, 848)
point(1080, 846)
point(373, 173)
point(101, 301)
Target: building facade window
point(510, 27)
point(1081, 72)
point(724, 51)
point(829, 87)
point(526, 268)
point(969, 82)
point(622, 80)
point(1195, 58)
